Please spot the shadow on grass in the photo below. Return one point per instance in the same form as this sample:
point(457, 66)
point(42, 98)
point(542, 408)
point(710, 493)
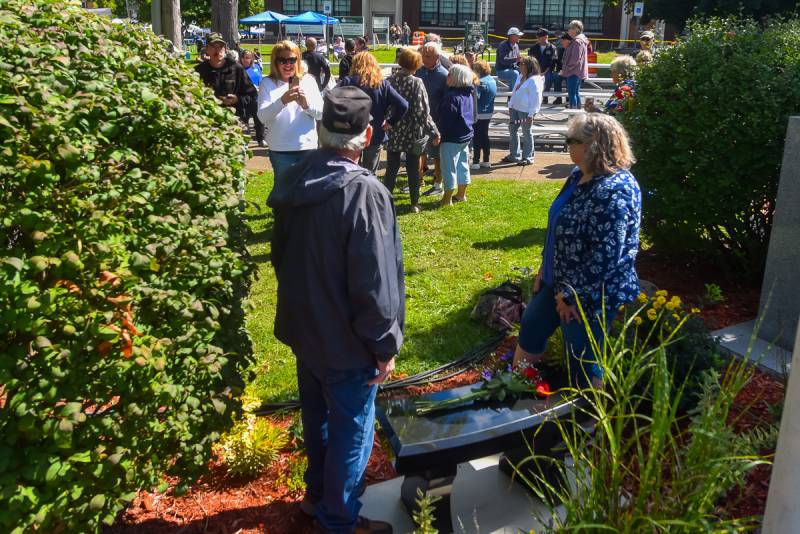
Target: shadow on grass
point(261, 236)
point(522, 239)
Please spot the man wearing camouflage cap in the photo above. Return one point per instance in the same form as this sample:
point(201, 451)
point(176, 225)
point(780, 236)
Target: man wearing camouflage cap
point(226, 77)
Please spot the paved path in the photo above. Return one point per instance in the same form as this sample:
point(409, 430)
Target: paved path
point(547, 166)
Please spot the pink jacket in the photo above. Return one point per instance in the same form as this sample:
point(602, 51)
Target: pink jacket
point(575, 58)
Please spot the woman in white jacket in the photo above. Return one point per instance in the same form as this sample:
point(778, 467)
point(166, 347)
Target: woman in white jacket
point(289, 104)
point(525, 101)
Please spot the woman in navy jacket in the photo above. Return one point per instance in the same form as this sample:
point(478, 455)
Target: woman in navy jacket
point(456, 116)
point(388, 107)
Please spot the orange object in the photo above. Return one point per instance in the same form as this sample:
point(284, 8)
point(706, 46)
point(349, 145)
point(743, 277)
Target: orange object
point(418, 38)
point(592, 58)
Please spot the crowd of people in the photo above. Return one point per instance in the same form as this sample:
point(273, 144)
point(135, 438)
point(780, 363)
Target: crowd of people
point(432, 108)
point(336, 247)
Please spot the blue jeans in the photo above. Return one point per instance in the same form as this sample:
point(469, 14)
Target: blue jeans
point(281, 161)
point(539, 322)
point(550, 80)
point(514, 126)
point(454, 159)
point(338, 412)
point(574, 91)
point(509, 76)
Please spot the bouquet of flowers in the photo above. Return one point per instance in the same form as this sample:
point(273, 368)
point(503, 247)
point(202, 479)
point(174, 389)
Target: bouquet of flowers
point(623, 98)
point(511, 382)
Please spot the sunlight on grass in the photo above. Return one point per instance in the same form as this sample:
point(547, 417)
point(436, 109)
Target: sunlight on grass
point(451, 255)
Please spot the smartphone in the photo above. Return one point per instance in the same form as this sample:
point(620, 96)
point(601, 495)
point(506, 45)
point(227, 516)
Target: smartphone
point(294, 81)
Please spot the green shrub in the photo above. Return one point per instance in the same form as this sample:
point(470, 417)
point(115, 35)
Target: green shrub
point(122, 266)
point(294, 476)
point(708, 130)
point(252, 445)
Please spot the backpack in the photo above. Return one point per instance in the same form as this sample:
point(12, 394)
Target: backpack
point(500, 307)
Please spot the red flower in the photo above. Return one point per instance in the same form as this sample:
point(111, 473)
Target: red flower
point(626, 88)
point(530, 373)
point(543, 389)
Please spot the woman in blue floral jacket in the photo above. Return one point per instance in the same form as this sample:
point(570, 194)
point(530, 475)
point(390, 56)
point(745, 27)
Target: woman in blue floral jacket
point(590, 248)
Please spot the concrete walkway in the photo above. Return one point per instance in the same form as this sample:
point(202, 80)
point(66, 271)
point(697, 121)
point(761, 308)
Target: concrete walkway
point(547, 166)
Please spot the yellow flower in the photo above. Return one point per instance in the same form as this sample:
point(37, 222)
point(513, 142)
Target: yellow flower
point(662, 293)
point(637, 320)
point(642, 298)
point(651, 314)
point(676, 300)
point(695, 310)
point(670, 305)
point(621, 308)
point(676, 317)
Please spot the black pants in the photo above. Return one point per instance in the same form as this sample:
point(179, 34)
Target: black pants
point(252, 111)
point(412, 169)
point(481, 140)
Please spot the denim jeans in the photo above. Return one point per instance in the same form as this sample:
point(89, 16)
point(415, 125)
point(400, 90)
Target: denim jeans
point(514, 126)
point(371, 158)
point(412, 170)
point(455, 164)
point(541, 319)
point(338, 412)
point(509, 76)
point(281, 161)
point(574, 91)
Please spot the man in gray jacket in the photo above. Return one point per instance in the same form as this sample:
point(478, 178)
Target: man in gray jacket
point(341, 304)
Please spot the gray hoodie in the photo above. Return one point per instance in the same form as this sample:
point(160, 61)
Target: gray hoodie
point(338, 259)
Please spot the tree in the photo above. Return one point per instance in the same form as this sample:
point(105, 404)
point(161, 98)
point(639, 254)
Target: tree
point(224, 19)
point(679, 11)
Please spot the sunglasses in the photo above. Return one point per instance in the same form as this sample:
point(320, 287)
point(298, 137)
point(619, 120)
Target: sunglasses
point(286, 60)
point(573, 141)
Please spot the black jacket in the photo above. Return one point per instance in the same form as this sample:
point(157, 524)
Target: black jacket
point(230, 78)
point(547, 58)
point(337, 255)
point(318, 67)
point(344, 66)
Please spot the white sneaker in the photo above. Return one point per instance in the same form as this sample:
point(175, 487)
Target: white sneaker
point(486, 165)
point(474, 166)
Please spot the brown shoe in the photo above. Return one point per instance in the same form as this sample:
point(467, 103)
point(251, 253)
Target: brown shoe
point(370, 526)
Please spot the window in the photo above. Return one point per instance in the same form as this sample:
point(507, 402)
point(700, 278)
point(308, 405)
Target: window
point(453, 13)
point(557, 14)
point(295, 7)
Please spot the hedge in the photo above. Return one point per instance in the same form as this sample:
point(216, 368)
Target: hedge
point(122, 267)
point(708, 130)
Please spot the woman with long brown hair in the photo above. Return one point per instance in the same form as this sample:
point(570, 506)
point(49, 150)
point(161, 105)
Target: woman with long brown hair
point(388, 107)
point(289, 104)
point(415, 129)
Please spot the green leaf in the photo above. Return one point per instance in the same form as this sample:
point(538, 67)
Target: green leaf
point(52, 471)
point(97, 502)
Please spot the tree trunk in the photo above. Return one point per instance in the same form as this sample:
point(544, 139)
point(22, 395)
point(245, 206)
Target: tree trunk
point(224, 19)
point(171, 22)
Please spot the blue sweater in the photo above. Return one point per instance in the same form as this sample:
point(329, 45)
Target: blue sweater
point(487, 91)
point(384, 99)
point(456, 115)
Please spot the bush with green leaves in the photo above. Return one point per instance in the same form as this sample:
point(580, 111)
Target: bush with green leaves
point(253, 443)
point(122, 267)
point(708, 131)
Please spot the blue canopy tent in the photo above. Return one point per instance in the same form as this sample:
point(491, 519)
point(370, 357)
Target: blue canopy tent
point(267, 17)
point(264, 18)
point(309, 17)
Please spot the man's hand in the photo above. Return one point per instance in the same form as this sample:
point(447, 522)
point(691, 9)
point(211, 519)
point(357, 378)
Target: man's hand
point(384, 370)
point(537, 283)
point(436, 141)
point(229, 100)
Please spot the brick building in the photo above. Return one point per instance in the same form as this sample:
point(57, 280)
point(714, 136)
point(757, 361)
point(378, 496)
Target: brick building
point(447, 17)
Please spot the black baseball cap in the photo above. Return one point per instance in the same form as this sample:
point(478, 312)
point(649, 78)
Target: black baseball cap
point(543, 33)
point(346, 110)
point(216, 38)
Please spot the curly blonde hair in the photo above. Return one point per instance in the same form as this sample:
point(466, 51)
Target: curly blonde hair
point(366, 67)
point(280, 48)
point(607, 146)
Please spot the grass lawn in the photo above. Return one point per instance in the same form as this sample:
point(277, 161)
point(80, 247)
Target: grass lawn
point(451, 255)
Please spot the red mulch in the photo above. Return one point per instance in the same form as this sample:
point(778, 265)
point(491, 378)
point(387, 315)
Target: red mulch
point(225, 505)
